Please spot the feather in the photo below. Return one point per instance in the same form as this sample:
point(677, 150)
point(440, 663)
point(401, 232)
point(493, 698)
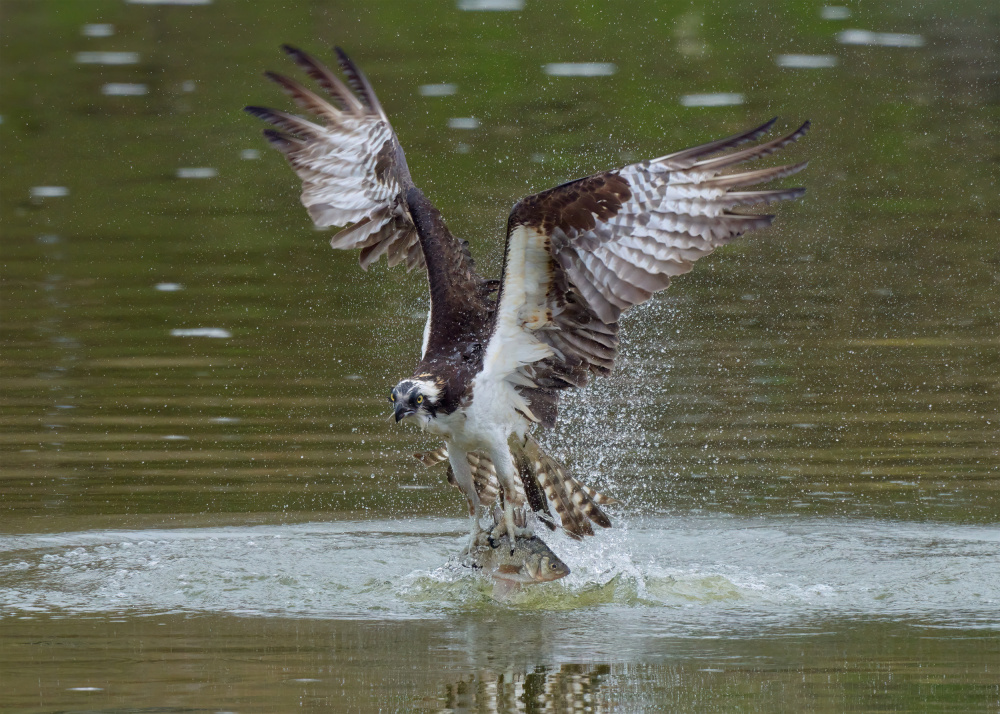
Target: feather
point(354, 174)
point(577, 505)
point(753, 152)
point(682, 159)
point(326, 79)
point(287, 122)
point(750, 178)
point(359, 83)
point(305, 99)
point(610, 242)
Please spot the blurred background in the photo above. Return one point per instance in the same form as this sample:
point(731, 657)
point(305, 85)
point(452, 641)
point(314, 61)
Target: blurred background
point(184, 358)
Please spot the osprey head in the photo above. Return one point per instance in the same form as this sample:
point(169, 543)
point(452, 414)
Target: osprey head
point(415, 397)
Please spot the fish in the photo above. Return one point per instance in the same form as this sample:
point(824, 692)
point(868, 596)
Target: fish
point(531, 562)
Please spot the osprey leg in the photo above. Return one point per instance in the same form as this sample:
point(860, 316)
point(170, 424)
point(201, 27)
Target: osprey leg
point(459, 461)
point(507, 475)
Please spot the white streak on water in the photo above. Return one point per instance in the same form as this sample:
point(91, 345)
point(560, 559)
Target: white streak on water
point(463, 123)
point(168, 287)
point(197, 173)
point(215, 332)
point(169, 2)
point(806, 61)
point(720, 99)
point(107, 57)
point(835, 12)
point(491, 5)
point(883, 39)
point(124, 89)
point(49, 191)
point(580, 69)
point(97, 30)
point(438, 90)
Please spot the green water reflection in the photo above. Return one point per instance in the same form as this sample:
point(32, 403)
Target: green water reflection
point(272, 665)
point(844, 364)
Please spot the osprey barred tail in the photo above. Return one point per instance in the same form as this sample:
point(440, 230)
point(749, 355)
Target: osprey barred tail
point(497, 354)
point(543, 482)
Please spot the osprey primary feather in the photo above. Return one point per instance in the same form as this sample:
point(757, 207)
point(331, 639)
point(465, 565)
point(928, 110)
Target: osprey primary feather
point(497, 354)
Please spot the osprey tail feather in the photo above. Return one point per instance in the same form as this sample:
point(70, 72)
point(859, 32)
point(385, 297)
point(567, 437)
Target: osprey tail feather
point(543, 482)
point(577, 505)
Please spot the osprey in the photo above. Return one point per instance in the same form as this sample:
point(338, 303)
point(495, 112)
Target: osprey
point(497, 354)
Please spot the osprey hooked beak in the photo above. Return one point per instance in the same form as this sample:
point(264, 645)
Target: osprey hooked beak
point(402, 410)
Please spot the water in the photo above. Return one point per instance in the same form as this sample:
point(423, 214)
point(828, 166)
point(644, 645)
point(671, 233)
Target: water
point(695, 575)
point(373, 613)
point(202, 506)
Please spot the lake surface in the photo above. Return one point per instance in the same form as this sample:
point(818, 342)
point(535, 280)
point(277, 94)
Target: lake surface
point(203, 507)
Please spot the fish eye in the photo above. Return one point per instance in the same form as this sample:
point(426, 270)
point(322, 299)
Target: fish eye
point(553, 566)
point(420, 399)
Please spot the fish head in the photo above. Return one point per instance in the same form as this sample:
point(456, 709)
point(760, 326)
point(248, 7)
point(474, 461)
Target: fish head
point(545, 568)
point(532, 562)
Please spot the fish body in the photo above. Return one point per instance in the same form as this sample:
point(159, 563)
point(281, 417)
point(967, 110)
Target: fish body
point(530, 562)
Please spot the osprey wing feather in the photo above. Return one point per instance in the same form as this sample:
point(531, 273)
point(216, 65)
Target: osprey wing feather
point(580, 254)
point(352, 167)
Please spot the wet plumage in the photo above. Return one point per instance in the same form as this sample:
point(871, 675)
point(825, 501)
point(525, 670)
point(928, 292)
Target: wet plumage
point(497, 354)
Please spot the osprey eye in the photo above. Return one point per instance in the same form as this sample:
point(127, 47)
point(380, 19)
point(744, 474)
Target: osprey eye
point(392, 397)
point(420, 399)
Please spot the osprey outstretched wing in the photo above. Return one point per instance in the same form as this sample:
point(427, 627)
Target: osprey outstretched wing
point(352, 168)
point(353, 171)
point(580, 254)
point(576, 257)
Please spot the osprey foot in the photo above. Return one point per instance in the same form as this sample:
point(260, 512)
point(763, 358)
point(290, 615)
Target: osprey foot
point(514, 524)
point(477, 539)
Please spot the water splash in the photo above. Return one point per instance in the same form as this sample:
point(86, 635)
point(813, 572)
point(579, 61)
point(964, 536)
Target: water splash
point(696, 571)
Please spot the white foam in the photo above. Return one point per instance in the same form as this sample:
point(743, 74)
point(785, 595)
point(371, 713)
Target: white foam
point(702, 571)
